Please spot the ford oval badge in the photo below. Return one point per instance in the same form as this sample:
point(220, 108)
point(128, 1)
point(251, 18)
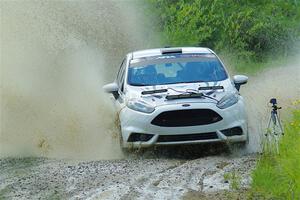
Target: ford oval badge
point(186, 105)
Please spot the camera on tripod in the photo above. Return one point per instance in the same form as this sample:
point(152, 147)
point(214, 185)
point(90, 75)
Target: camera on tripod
point(273, 101)
point(274, 130)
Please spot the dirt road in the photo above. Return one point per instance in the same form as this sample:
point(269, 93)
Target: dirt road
point(121, 179)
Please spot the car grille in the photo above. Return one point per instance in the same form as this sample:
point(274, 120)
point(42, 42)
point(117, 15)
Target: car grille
point(192, 117)
point(187, 137)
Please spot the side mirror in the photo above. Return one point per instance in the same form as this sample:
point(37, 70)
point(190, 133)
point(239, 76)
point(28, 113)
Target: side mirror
point(112, 88)
point(239, 80)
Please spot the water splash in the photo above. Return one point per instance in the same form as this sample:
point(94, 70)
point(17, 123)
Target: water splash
point(55, 57)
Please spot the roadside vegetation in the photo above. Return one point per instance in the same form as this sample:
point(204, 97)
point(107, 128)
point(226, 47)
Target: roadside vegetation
point(250, 33)
point(277, 175)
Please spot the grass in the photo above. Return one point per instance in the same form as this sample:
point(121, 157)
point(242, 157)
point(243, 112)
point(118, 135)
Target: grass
point(234, 180)
point(277, 176)
point(4, 192)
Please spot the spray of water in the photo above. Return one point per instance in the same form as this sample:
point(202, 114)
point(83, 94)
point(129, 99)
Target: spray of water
point(281, 82)
point(55, 57)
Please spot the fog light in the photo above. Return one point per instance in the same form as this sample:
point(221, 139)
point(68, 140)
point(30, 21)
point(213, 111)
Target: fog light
point(139, 137)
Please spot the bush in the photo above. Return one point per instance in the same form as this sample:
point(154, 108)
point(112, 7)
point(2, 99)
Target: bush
point(249, 29)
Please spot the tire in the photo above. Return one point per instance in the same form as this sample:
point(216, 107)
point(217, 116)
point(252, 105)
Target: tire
point(119, 130)
point(125, 150)
point(238, 147)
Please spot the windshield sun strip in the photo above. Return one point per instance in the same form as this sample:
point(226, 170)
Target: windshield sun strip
point(177, 60)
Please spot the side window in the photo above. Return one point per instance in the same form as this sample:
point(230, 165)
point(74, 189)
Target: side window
point(121, 74)
point(122, 79)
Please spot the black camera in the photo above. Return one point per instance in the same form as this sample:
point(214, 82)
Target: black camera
point(273, 101)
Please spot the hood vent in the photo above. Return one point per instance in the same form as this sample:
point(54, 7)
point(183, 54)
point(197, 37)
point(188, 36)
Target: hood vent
point(171, 51)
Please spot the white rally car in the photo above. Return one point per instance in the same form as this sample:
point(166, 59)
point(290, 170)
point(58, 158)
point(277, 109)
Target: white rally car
point(177, 96)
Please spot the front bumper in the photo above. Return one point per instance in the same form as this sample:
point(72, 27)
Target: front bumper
point(134, 122)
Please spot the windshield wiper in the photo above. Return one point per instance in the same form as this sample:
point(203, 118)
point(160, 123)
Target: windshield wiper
point(154, 91)
point(138, 84)
point(184, 96)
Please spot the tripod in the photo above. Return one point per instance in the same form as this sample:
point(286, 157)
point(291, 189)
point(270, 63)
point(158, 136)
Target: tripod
point(274, 130)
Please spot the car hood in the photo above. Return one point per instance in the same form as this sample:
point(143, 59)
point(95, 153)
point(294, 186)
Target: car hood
point(159, 99)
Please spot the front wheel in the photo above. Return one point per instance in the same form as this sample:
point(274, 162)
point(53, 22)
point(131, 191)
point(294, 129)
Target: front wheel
point(239, 147)
point(125, 150)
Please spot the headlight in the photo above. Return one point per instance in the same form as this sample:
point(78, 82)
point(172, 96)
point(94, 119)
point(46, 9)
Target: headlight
point(228, 100)
point(139, 105)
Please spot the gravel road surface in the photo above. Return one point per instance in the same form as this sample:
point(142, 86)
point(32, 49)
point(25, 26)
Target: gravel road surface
point(136, 177)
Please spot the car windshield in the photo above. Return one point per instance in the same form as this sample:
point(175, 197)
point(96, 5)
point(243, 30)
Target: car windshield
point(172, 69)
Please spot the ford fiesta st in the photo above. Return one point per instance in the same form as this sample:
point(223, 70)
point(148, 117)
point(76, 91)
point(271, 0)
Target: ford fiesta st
point(180, 95)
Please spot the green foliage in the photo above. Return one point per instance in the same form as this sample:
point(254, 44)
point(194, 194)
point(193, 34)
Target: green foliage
point(277, 176)
point(252, 67)
point(3, 192)
point(247, 28)
point(234, 180)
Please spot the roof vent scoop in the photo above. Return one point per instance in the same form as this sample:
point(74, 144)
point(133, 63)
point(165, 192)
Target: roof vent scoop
point(171, 50)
